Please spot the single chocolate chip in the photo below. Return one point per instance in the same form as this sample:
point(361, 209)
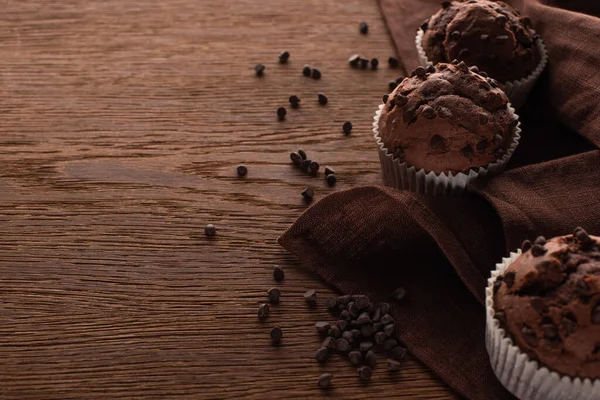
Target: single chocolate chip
point(365, 347)
point(314, 167)
point(398, 352)
point(376, 315)
point(302, 154)
point(384, 307)
point(540, 240)
point(345, 315)
point(332, 304)
point(498, 139)
point(456, 35)
point(363, 319)
point(392, 85)
point(385, 98)
point(499, 153)
point(361, 301)
point(483, 74)
point(354, 60)
point(501, 20)
point(380, 337)
point(353, 310)
point(529, 336)
point(276, 334)
point(408, 116)
point(474, 69)
point(393, 62)
point(582, 236)
point(325, 381)
point(308, 194)
point(365, 373)
point(526, 21)
point(348, 336)
point(401, 100)
point(331, 179)
point(367, 330)
point(484, 37)
point(464, 53)
point(390, 343)
point(306, 70)
point(322, 99)
point(389, 330)
point(526, 246)
point(281, 112)
point(322, 355)
point(334, 331)
point(431, 69)
point(393, 365)
point(467, 152)
point(278, 273)
point(263, 311)
point(342, 324)
point(387, 319)
point(316, 73)
point(364, 63)
point(284, 57)
point(398, 294)
point(242, 170)
point(331, 171)
point(322, 326)
point(363, 28)
point(482, 145)
point(428, 112)
point(342, 345)
point(305, 164)
point(454, 62)
point(294, 101)
point(374, 63)
point(378, 326)
point(355, 357)
point(446, 4)
point(400, 79)
point(509, 278)
point(596, 314)
point(274, 295)
point(436, 142)
point(550, 332)
point(371, 359)
point(347, 127)
point(425, 25)
point(501, 39)
point(310, 296)
point(538, 250)
point(259, 69)
point(210, 230)
point(497, 286)
point(328, 343)
point(420, 71)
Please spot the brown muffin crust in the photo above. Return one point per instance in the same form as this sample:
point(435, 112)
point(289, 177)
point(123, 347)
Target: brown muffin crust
point(491, 35)
point(447, 118)
point(548, 302)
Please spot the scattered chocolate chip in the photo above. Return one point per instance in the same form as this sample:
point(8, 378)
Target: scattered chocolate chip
point(242, 170)
point(278, 274)
point(334, 331)
point(281, 112)
point(305, 165)
point(328, 343)
point(501, 39)
point(376, 315)
point(322, 99)
point(389, 330)
point(364, 63)
point(374, 63)
point(274, 295)
point(347, 127)
point(302, 154)
point(263, 311)
point(314, 167)
point(509, 278)
point(342, 324)
point(456, 35)
point(596, 314)
point(363, 28)
point(361, 301)
point(464, 53)
point(365, 373)
point(526, 246)
point(474, 69)
point(428, 112)
point(284, 57)
point(420, 71)
point(325, 381)
point(387, 319)
point(322, 326)
point(294, 101)
point(393, 62)
point(331, 179)
point(390, 343)
point(398, 352)
point(355, 357)
point(399, 294)
point(526, 21)
point(363, 319)
point(342, 345)
point(348, 336)
point(306, 70)
point(353, 310)
point(364, 347)
point(322, 355)
point(259, 69)
point(316, 73)
point(446, 4)
point(210, 230)
point(354, 60)
point(308, 194)
point(331, 171)
point(276, 334)
point(345, 315)
point(540, 240)
point(538, 250)
point(550, 332)
point(371, 359)
point(529, 336)
point(582, 236)
point(367, 330)
point(310, 296)
point(380, 337)
point(401, 100)
point(393, 365)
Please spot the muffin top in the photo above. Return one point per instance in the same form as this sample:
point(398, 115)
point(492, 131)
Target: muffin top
point(489, 34)
point(447, 118)
point(548, 302)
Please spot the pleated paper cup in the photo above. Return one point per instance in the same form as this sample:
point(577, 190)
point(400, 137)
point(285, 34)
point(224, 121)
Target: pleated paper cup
point(517, 91)
point(401, 175)
point(524, 377)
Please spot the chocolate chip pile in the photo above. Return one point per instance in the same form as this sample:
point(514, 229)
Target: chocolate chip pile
point(300, 159)
point(362, 329)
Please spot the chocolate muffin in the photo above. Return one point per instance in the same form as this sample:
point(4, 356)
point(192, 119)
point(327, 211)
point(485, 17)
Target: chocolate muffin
point(489, 34)
point(447, 118)
point(548, 302)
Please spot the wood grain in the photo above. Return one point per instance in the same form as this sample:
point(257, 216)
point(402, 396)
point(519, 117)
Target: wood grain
point(121, 123)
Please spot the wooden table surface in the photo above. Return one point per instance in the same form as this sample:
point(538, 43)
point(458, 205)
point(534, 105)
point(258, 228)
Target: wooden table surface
point(121, 124)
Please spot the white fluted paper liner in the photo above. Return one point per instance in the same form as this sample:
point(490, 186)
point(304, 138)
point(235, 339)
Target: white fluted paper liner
point(522, 376)
point(517, 91)
point(400, 175)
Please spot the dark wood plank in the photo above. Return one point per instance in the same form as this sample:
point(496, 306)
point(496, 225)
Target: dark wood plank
point(121, 123)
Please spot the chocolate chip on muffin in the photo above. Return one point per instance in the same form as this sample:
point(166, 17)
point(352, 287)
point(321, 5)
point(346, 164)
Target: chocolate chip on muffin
point(446, 119)
point(489, 34)
point(550, 304)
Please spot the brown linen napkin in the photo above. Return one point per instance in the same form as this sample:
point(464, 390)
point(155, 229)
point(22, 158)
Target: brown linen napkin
point(371, 240)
